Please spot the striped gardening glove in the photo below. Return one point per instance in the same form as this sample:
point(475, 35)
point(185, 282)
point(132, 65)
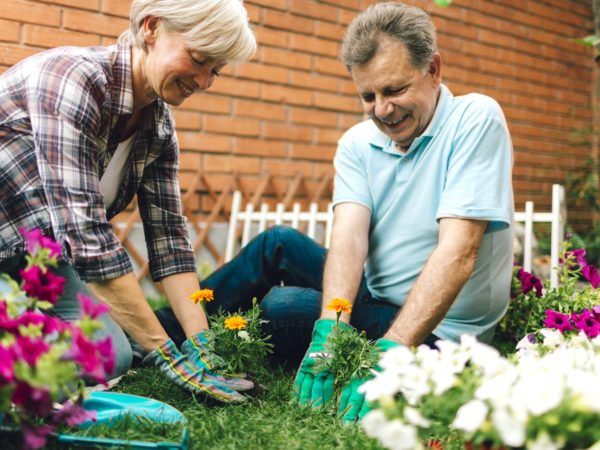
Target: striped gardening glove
point(201, 355)
point(176, 367)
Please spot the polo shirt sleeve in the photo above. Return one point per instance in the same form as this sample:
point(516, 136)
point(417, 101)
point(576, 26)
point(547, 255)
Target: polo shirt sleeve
point(478, 181)
point(351, 177)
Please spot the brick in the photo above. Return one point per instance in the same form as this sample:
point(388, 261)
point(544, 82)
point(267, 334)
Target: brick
point(350, 4)
point(51, 37)
point(9, 31)
point(104, 25)
point(287, 132)
point(328, 136)
point(10, 55)
point(330, 66)
point(283, 94)
point(348, 87)
point(186, 120)
point(190, 140)
point(30, 12)
point(262, 72)
point(346, 121)
point(260, 147)
point(190, 160)
point(92, 5)
point(260, 109)
point(286, 58)
point(228, 164)
point(314, 45)
point(496, 39)
point(231, 125)
point(208, 102)
point(309, 116)
point(314, 10)
point(288, 168)
point(329, 30)
point(313, 152)
point(337, 102)
point(269, 36)
point(277, 4)
point(236, 88)
point(253, 13)
point(321, 82)
point(287, 21)
point(119, 8)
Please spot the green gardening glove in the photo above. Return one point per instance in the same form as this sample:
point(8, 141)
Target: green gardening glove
point(352, 403)
point(176, 367)
point(200, 354)
point(310, 388)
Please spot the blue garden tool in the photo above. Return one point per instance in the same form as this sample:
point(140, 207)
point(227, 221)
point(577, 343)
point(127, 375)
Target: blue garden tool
point(110, 406)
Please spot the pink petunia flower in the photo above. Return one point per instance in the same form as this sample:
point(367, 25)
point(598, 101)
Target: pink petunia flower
point(587, 323)
point(42, 285)
point(591, 274)
point(557, 321)
point(34, 239)
point(33, 399)
point(73, 414)
point(94, 359)
point(89, 308)
point(6, 322)
point(35, 436)
point(29, 349)
point(530, 282)
point(7, 372)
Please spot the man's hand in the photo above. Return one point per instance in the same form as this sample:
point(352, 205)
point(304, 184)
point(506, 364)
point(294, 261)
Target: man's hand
point(352, 403)
point(310, 388)
point(176, 367)
point(202, 357)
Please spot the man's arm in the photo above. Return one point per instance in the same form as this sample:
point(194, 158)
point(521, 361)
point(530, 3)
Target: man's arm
point(444, 274)
point(346, 256)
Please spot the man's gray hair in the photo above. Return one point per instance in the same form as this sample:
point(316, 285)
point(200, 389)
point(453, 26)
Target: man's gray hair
point(407, 24)
point(216, 28)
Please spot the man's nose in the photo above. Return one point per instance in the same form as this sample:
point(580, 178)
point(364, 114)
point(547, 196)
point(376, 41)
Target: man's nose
point(383, 107)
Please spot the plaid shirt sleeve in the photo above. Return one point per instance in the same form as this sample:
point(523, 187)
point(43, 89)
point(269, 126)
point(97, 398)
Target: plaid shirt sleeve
point(159, 197)
point(68, 107)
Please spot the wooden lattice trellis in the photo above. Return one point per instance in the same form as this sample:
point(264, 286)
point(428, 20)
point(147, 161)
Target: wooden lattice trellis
point(220, 211)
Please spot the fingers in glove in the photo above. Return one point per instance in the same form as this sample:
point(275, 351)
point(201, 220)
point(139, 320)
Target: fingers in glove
point(305, 392)
point(317, 395)
point(237, 384)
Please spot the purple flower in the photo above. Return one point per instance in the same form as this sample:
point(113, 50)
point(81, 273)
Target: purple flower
point(596, 312)
point(568, 237)
point(42, 285)
point(33, 399)
point(89, 308)
point(73, 414)
point(591, 274)
point(34, 436)
point(530, 282)
point(558, 321)
point(7, 373)
point(35, 239)
point(587, 323)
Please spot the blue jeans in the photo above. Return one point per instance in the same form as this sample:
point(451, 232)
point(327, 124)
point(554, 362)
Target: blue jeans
point(68, 308)
point(283, 269)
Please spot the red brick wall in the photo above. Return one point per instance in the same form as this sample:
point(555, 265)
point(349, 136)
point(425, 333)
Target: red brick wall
point(284, 111)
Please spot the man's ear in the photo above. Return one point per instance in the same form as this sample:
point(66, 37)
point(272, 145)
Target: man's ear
point(435, 67)
point(150, 29)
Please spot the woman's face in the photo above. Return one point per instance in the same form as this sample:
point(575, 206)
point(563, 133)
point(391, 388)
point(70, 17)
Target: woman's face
point(173, 71)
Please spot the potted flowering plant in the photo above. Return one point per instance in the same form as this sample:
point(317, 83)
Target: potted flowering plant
point(43, 359)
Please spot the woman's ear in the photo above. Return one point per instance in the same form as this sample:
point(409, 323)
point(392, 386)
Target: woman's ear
point(150, 29)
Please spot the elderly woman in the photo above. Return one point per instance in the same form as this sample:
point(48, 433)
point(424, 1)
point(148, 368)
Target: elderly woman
point(82, 130)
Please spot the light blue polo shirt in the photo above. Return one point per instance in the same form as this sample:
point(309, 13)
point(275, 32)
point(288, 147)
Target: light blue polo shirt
point(460, 166)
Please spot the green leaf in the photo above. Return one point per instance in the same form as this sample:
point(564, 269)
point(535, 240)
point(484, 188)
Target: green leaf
point(443, 3)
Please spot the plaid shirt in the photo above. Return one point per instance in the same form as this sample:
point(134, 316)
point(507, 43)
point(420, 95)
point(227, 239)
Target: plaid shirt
point(62, 115)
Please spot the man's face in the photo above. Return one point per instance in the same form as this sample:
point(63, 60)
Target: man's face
point(399, 98)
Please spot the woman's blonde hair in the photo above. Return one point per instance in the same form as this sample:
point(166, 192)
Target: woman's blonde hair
point(216, 28)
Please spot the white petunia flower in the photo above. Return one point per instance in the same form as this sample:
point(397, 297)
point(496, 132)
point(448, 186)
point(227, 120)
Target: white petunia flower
point(244, 335)
point(414, 417)
point(510, 428)
point(552, 338)
point(544, 442)
point(470, 416)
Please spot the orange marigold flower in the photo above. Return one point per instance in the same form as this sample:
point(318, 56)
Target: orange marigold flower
point(235, 323)
point(202, 295)
point(339, 305)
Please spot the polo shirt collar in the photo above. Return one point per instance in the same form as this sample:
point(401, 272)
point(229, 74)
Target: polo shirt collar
point(441, 113)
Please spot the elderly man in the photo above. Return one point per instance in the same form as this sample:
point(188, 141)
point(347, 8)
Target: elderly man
point(423, 206)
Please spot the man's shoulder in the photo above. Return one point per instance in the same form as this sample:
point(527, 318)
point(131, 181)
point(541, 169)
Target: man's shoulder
point(475, 103)
point(365, 131)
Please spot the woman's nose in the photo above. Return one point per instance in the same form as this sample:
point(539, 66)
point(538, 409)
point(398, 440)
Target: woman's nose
point(204, 78)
